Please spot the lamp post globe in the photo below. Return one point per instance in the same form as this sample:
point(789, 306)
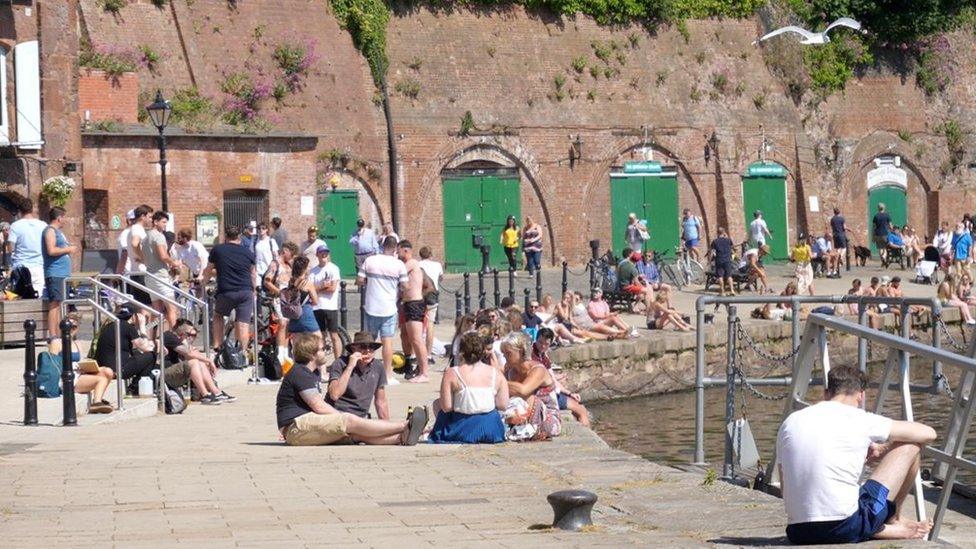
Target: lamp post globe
point(160, 111)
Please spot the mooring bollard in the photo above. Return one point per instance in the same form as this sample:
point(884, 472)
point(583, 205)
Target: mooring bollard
point(565, 285)
point(457, 305)
point(528, 298)
point(498, 293)
point(343, 310)
point(571, 509)
point(67, 375)
point(467, 293)
point(30, 373)
point(728, 466)
point(592, 266)
point(511, 283)
point(538, 285)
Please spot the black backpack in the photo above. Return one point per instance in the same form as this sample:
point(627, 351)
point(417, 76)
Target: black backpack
point(174, 402)
point(268, 359)
point(21, 284)
point(231, 356)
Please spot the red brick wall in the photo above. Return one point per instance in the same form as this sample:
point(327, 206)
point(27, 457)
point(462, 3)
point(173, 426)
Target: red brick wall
point(104, 97)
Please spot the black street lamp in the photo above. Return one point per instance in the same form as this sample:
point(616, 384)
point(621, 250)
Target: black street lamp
point(159, 112)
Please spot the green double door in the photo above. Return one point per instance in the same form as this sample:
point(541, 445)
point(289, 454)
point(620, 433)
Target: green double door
point(653, 198)
point(896, 204)
point(477, 204)
point(336, 220)
point(767, 194)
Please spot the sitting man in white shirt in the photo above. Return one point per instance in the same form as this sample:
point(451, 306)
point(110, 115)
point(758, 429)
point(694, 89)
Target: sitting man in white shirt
point(822, 451)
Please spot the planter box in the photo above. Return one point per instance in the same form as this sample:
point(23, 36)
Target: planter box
point(12, 317)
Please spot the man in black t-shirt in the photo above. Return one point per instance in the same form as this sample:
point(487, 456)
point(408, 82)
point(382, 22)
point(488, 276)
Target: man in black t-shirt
point(138, 358)
point(305, 419)
point(234, 266)
point(882, 226)
point(838, 229)
point(721, 250)
point(186, 364)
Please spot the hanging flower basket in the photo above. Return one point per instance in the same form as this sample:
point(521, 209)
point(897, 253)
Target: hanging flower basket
point(57, 190)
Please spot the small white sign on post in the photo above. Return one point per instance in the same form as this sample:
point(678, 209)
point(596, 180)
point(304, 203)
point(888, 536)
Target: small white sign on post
point(308, 205)
point(814, 204)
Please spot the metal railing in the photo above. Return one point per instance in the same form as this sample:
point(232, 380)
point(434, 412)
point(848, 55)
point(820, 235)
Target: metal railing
point(99, 310)
point(201, 304)
point(901, 350)
point(862, 302)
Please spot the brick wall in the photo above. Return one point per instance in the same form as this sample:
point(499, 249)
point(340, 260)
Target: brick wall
point(104, 97)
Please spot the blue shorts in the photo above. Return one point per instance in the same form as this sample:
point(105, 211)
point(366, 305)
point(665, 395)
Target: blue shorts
point(873, 511)
point(381, 326)
point(561, 398)
point(54, 288)
point(691, 243)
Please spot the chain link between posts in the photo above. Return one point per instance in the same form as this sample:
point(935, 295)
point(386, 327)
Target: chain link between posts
point(742, 336)
point(949, 339)
point(943, 381)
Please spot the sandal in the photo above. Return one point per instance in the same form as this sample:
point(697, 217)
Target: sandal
point(415, 425)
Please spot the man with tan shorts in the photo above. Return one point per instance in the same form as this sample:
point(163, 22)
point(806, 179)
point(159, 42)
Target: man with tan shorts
point(413, 312)
point(305, 419)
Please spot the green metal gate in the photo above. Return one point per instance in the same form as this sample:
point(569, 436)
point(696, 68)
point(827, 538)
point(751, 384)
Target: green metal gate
point(650, 191)
point(337, 215)
point(477, 202)
point(764, 189)
point(896, 204)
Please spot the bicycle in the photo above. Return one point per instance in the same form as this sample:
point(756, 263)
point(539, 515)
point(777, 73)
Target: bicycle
point(668, 269)
point(690, 269)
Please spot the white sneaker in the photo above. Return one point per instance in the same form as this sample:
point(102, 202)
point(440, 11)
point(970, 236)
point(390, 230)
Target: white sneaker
point(970, 322)
point(392, 381)
point(633, 332)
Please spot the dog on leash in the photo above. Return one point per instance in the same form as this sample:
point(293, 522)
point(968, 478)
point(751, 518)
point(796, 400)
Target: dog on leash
point(861, 255)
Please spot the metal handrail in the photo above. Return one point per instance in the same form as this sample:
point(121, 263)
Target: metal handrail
point(796, 300)
point(200, 303)
point(160, 349)
point(900, 350)
point(126, 281)
point(118, 341)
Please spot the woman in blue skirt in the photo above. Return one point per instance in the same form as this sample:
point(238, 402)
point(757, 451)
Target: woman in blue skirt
point(472, 395)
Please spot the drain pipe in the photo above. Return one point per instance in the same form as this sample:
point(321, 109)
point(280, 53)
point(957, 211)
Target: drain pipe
point(392, 151)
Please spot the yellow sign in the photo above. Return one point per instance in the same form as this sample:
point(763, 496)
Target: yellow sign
point(247, 178)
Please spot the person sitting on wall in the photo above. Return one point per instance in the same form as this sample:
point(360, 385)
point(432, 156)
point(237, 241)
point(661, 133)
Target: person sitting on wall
point(630, 281)
point(822, 452)
point(751, 264)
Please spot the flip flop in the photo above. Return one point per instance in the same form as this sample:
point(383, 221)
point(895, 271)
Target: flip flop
point(416, 424)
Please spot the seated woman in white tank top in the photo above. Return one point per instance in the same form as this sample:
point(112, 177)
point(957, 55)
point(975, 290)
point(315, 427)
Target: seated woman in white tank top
point(472, 395)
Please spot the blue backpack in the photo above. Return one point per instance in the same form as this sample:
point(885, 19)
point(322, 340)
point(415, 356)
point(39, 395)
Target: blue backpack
point(48, 375)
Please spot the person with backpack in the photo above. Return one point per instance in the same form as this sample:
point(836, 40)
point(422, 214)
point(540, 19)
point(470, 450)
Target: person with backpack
point(299, 298)
point(89, 376)
point(24, 245)
point(57, 267)
point(265, 249)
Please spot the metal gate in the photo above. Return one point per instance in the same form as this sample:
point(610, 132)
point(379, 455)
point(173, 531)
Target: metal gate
point(242, 207)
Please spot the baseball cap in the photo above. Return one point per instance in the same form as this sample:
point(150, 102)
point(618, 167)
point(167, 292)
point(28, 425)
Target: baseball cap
point(323, 249)
point(885, 279)
point(252, 225)
point(131, 214)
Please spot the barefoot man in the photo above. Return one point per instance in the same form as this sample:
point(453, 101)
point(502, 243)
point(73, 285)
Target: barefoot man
point(413, 310)
point(822, 451)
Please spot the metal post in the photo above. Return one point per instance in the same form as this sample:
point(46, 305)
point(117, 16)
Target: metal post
point(343, 309)
point(937, 380)
point(457, 306)
point(511, 283)
point(862, 344)
point(481, 290)
point(795, 326)
point(847, 256)
point(528, 298)
point(162, 170)
point(538, 285)
point(207, 336)
point(565, 284)
point(362, 309)
point(467, 293)
point(498, 293)
point(699, 383)
point(254, 340)
point(728, 467)
point(592, 266)
point(30, 373)
point(67, 376)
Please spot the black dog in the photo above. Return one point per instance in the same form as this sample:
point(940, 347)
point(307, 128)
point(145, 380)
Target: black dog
point(861, 255)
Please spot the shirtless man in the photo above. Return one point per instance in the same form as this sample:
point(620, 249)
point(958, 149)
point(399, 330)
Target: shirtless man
point(413, 310)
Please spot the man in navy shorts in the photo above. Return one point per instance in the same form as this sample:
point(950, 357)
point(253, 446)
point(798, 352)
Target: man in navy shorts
point(235, 270)
point(822, 451)
point(721, 251)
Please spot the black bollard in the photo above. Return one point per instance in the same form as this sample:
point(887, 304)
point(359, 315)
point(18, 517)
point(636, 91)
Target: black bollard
point(528, 298)
point(362, 309)
point(343, 309)
point(457, 305)
point(571, 509)
point(30, 373)
point(511, 283)
point(481, 288)
point(67, 376)
point(592, 266)
point(498, 293)
point(565, 285)
point(467, 293)
point(538, 285)
point(485, 261)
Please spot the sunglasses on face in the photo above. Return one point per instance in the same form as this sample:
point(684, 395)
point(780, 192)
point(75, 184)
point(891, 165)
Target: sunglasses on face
point(361, 349)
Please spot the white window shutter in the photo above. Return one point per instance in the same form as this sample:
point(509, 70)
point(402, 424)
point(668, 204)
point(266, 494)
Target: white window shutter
point(4, 110)
point(27, 81)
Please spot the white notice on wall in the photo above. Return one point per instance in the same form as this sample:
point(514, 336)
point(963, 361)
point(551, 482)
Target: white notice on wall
point(308, 205)
point(814, 204)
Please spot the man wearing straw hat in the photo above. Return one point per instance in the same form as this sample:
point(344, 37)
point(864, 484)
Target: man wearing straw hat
point(357, 380)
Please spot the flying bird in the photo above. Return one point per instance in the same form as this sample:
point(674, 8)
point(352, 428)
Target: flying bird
point(813, 37)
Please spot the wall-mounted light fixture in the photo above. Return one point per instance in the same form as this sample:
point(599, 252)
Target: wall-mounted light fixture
point(575, 150)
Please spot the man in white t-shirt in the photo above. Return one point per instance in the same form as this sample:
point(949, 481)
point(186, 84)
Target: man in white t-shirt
point(122, 245)
point(137, 261)
point(435, 272)
point(822, 451)
point(265, 250)
point(191, 253)
point(311, 244)
point(384, 276)
point(326, 278)
point(758, 231)
point(24, 244)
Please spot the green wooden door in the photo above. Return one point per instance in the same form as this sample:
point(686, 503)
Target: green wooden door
point(337, 215)
point(654, 199)
point(477, 204)
point(768, 194)
point(896, 204)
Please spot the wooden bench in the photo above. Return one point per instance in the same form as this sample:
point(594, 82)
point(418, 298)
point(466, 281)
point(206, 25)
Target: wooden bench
point(12, 316)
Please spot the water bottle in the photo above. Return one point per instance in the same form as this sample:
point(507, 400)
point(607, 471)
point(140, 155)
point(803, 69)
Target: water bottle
point(145, 387)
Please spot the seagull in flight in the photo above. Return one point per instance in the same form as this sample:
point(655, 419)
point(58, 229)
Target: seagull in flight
point(813, 37)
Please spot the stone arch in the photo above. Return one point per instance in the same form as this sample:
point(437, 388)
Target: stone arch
point(350, 180)
point(797, 220)
point(501, 151)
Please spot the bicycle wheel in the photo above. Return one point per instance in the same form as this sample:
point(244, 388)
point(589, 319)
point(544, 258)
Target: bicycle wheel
point(695, 274)
point(670, 273)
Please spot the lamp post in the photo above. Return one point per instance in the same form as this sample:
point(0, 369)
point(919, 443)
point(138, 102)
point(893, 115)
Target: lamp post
point(159, 112)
